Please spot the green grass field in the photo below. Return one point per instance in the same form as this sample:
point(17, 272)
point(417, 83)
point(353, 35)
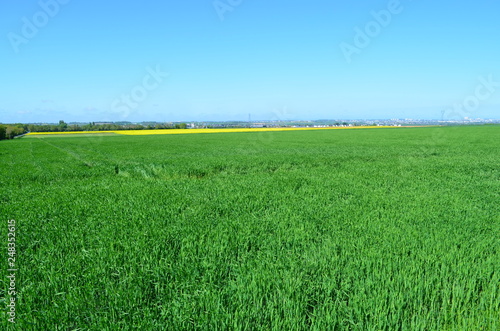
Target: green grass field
point(388, 229)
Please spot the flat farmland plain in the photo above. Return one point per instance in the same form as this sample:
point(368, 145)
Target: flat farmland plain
point(387, 229)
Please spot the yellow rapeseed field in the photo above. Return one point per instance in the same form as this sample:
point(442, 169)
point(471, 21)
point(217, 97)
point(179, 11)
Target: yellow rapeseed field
point(191, 131)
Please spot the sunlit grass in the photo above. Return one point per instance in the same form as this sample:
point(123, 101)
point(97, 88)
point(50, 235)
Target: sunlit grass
point(310, 230)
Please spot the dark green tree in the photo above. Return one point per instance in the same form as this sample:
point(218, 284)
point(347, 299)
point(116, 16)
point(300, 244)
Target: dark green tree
point(3, 132)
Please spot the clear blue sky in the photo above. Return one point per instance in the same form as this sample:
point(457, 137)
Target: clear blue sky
point(91, 60)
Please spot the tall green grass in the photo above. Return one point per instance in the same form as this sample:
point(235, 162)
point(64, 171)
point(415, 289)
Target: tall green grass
point(311, 230)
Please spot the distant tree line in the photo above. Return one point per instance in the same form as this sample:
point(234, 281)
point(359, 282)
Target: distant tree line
point(92, 126)
point(9, 131)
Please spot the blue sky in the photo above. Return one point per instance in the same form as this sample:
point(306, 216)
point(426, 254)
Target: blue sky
point(222, 60)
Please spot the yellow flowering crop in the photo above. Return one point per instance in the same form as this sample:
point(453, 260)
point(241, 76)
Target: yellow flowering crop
point(191, 131)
